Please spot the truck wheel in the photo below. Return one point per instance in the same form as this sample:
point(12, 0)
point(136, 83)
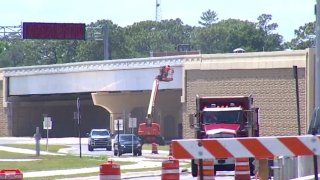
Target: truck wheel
point(194, 168)
point(109, 148)
point(160, 141)
point(252, 167)
point(90, 148)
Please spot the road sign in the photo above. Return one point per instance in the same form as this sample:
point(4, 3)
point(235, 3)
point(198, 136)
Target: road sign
point(47, 123)
point(36, 30)
point(118, 123)
point(132, 122)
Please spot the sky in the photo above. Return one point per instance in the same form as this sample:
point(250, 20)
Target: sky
point(288, 14)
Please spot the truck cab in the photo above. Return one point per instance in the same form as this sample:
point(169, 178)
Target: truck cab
point(99, 138)
point(224, 117)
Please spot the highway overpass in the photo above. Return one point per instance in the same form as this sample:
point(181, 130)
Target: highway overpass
point(113, 89)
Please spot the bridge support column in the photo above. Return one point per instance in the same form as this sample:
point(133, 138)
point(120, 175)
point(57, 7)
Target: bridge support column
point(120, 105)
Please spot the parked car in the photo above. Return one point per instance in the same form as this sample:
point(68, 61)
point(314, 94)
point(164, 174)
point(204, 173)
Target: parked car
point(99, 138)
point(123, 144)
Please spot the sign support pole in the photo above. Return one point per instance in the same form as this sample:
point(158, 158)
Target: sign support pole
point(79, 125)
point(118, 126)
point(47, 139)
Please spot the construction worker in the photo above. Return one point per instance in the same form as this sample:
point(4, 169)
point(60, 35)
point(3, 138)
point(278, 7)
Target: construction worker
point(166, 70)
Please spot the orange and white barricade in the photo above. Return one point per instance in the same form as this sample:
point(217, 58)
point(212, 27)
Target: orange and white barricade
point(110, 171)
point(242, 169)
point(207, 169)
point(12, 174)
point(170, 169)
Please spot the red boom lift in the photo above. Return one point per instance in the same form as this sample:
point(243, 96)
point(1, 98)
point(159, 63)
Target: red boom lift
point(149, 131)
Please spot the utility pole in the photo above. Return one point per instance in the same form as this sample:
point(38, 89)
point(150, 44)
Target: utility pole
point(304, 162)
point(105, 33)
point(317, 63)
point(158, 11)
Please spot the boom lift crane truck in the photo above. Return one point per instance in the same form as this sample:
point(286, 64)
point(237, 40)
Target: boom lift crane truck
point(149, 131)
point(224, 117)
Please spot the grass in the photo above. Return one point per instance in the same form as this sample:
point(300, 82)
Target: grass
point(47, 162)
point(11, 155)
point(55, 148)
point(53, 162)
point(149, 147)
point(43, 147)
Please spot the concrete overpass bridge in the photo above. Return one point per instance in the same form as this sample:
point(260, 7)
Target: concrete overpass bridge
point(121, 89)
point(116, 89)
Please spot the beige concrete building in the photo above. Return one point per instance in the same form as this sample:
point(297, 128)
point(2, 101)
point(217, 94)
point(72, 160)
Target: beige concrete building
point(267, 76)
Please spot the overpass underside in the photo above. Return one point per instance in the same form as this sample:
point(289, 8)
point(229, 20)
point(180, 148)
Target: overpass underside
point(25, 113)
point(122, 105)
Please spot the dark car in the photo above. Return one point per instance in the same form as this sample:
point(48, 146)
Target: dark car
point(99, 138)
point(123, 144)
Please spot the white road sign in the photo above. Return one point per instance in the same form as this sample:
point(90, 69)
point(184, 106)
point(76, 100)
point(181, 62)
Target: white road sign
point(132, 122)
point(120, 121)
point(47, 123)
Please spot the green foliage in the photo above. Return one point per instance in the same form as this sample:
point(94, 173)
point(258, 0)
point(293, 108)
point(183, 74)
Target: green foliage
point(209, 17)
point(227, 35)
point(141, 38)
point(271, 40)
point(304, 37)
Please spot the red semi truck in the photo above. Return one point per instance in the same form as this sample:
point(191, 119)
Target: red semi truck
point(224, 117)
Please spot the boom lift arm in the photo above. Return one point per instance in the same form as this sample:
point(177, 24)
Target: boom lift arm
point(166, 73)
point(149, 131)
point(154, 92)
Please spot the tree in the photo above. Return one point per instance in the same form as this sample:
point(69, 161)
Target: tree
point(227, 35)
point(304, 37)
point(209, 17)
point(147, 36)
point(265, 25)
point(272, 41)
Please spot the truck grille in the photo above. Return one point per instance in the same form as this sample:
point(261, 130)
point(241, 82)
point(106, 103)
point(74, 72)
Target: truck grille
point(100, 141)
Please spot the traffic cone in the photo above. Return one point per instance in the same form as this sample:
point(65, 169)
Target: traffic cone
point(170, 169)
point(207, 169)
point(242, 169)
point(154, 148)
point(12, 174)
point(110, 171)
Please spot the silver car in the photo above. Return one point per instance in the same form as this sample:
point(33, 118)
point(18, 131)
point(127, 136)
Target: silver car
point(99, 138)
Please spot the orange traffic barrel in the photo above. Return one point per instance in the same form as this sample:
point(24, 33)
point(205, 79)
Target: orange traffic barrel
point(110, 171)
point(154, 148)
point(207, 169)
point(12, 174)
point(242, 169)
point(170, 169)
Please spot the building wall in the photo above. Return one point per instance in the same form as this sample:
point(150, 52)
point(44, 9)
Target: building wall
point(272, 87)
point(3, 120)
